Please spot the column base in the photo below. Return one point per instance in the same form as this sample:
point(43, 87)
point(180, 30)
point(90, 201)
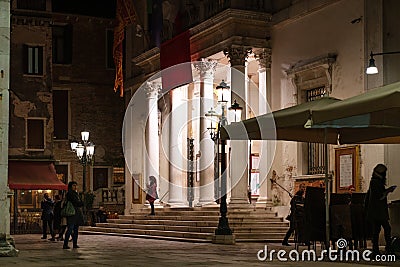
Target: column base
point(205, 202)
point(224, 239)
point(176, 203)
point(7, 248)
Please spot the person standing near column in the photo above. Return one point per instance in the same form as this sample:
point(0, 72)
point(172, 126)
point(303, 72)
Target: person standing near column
point(152, 195)
point(377, 208)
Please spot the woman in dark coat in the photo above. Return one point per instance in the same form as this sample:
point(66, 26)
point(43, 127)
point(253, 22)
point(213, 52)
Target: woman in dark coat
point(297, 199)
point(377, 207)
point(73, 222)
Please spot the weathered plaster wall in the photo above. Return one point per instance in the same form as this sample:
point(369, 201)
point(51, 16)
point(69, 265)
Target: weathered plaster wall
point(328, 30)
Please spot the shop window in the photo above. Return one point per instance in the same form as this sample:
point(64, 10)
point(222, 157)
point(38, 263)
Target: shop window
point(25, 198)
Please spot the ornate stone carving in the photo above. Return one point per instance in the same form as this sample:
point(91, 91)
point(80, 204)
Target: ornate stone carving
point(237, 54)
point(311, 74)
point(264, 59)
point(152, 89)
point(206, 68)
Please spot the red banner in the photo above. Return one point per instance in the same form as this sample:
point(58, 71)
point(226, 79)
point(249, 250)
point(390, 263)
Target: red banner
point(174, 52)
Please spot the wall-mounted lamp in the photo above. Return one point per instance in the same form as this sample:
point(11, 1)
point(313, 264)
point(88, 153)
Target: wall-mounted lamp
point(372, 69)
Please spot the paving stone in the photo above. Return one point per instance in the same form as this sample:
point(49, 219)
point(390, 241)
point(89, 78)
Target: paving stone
point(101, 250)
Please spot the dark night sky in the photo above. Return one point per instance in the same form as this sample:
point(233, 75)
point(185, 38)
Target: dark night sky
point(97, 8)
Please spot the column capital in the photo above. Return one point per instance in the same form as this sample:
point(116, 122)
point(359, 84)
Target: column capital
point(263, 57)
point(152, 89)
point(237, 54)
point(206, 68)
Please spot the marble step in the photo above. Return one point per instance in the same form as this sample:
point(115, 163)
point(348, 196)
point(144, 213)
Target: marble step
point(205, 213)
point(161, 237)
point(182, 236)
point(181, 228)
point(206, 209)
point(163, 222)
point(233, 224)
point(250, 224)
point(200, 229)
point(240, 237)
point(190, 217)
point(179, 234)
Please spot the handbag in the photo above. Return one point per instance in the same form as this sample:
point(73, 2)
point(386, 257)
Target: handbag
point(68, 210)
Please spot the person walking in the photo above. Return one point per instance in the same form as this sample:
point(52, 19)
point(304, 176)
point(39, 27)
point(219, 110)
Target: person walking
point(152, 195)
point(58, 225)
point(377, 208)
point(47, 216)
point(297, 199)
point(74, 221)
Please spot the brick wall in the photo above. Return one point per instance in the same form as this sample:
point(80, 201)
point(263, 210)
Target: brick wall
point(93, 104)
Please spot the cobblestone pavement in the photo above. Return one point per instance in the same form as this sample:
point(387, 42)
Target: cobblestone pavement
point(103, 250)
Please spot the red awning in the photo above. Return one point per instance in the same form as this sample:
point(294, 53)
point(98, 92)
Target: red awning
point(33, 175)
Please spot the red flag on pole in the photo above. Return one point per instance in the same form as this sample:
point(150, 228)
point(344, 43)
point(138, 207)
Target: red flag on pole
point(125, 15)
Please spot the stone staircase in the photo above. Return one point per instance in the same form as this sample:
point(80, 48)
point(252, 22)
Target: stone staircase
point(250, 224)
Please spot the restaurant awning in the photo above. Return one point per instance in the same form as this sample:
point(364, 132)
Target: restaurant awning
point(372, 117)
point(285, 124)
point(33, 175)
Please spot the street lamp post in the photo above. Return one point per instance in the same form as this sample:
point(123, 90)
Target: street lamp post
point(216, 122)
point(84, 151)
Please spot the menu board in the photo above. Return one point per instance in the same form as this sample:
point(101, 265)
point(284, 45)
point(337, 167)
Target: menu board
point(346, 168)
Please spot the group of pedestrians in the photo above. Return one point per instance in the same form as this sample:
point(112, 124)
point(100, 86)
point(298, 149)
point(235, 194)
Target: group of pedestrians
point(375, 209)
point(52, 218)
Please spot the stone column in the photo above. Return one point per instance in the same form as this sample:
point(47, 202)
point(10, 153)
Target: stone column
point(264, 79)
point(152, 140)
point(264, 85)
point(239, 149)
point(178, 144)
point(206, 70)
point(6, 241)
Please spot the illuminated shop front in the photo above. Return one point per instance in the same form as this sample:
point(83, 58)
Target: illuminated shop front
point(30, 180)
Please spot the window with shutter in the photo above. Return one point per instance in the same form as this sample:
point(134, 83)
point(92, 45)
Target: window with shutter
point(33, 60)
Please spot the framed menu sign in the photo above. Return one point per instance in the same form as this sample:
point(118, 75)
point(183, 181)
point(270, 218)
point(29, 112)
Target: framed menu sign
point(346, 168)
